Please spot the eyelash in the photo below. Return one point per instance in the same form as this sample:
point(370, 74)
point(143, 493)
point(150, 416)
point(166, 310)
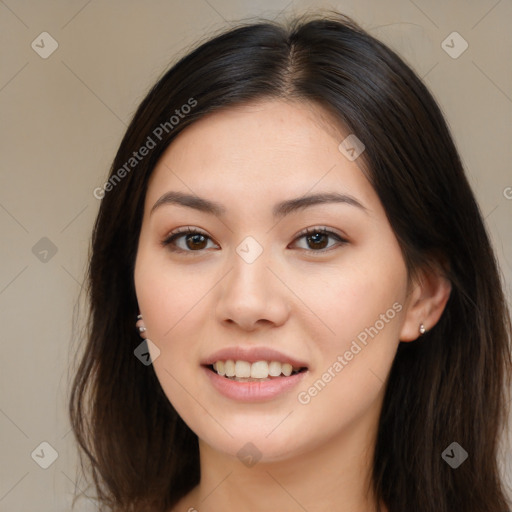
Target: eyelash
point(168, 241)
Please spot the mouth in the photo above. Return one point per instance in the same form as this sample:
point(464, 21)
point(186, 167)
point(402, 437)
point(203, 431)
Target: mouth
point(258, 371)
point(253, 374)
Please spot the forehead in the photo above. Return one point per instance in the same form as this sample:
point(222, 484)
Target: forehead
point(266, 150)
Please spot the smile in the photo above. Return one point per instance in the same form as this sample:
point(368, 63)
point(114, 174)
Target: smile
point(244, 371)
point(253, 374)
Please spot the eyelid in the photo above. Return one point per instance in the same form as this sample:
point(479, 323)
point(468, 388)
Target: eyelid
point(321, 229)
point(173, 235)
point(342, 240)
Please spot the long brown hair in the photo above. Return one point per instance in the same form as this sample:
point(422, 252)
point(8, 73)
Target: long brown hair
point(449, 386)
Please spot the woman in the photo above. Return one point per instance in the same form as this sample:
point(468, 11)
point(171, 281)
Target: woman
point(288, 236)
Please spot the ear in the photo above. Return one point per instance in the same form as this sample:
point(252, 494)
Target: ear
point(428, 295)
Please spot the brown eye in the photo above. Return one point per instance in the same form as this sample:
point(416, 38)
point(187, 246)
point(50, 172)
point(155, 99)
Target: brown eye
point(317, 239)
point(187, 240)
point(196, 241)
point(192, 240)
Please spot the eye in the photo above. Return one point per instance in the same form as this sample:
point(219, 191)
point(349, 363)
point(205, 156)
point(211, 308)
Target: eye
point(317, 239)
point(193, 240)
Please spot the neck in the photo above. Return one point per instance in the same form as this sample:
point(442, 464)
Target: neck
point(334, 476)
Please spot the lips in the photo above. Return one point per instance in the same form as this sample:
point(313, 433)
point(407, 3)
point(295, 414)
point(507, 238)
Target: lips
point(253, 390)
point(253, 374)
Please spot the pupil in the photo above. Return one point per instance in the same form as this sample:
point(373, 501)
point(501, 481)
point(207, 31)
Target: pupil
point(198, 239)
point(195, 240)
point(315, 238)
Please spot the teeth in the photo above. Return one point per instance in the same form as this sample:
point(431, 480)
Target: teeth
point(242, 369)
point(286, 368)
point(229, 368)
point(274, 369)
point(219, 368)
point(257, 370)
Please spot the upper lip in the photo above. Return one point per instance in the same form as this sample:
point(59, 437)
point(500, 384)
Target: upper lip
point(252, 355)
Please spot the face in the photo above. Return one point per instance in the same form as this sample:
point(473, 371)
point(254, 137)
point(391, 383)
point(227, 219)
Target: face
point(266, 278)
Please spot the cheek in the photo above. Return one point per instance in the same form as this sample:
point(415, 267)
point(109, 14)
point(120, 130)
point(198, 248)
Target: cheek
point(173, 309)
point(349, 377)
point(355, 300)
point(167, 298)
point(174, 303)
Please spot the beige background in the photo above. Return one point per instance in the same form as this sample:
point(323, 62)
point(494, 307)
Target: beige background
point(63, 118)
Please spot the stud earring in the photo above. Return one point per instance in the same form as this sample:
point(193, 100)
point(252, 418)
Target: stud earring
point(140, 326)
point(422, 329)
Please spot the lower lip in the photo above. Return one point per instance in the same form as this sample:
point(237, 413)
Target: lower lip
point(253, 391)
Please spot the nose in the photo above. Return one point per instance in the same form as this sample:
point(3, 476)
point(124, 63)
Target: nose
point(251, 296)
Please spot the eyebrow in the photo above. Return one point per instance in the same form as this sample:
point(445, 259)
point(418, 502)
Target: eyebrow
point(280, 209)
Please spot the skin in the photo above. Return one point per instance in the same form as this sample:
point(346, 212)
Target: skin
point(294, 297)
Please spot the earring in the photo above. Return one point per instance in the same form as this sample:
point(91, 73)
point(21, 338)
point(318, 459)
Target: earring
point(422, 329)
point(140, 326)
